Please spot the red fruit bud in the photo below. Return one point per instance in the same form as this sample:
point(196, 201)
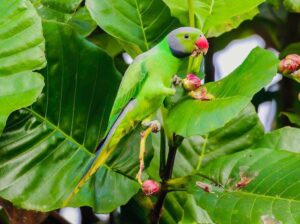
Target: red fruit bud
point(294, 57)
point(202, 44)
point(191, 82)
point(150, 187)
point(289, 64)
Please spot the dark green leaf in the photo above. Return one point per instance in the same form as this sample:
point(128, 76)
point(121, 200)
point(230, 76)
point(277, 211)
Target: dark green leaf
point(293, 118)
point(21, 52)
point(83, 22)
point(271, 196)
point(232, 94)
point(291, 49)
point(67, 11)
point(46, 148)
point(138, 24)
point(215, 17)
point(3, 216)
point(107, 43)
point(67, 6)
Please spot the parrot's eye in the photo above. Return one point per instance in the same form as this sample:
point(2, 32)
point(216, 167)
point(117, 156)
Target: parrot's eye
point(186, 36)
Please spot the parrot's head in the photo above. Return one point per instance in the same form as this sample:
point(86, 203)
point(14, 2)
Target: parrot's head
point(187, 41)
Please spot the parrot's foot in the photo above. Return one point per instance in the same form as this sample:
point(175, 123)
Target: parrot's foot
point(152, 126)
point(144, 136)
point(176, 80)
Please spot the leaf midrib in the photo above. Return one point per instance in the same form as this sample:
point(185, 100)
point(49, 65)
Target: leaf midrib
point(263, 196)
point(57, 128)
point(142, 24)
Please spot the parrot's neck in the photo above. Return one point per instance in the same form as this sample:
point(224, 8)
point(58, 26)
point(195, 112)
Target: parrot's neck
point(163, 46)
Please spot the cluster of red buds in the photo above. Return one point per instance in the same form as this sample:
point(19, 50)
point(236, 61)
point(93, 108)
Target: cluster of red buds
point(290, 66)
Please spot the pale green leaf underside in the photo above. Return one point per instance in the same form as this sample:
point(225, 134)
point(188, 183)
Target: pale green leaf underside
point(215, 17)
point(139, 24)
point(273, 194)
point(21, 52)
point(286, 138)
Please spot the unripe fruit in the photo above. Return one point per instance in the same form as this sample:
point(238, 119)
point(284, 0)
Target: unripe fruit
point(294, 57)
point(289, 64)
point(150, 187)
point(191, 82)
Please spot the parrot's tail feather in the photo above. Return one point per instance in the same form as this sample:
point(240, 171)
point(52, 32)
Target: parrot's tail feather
point(96, 163)
point(104, 150)
point(85, 178)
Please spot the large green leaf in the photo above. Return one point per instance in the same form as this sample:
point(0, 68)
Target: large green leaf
point(232, 94)
point(139, 24)
point(284, 138)
point(271, 197)
point(215, 17)
point(45, 149)
point(21, 52)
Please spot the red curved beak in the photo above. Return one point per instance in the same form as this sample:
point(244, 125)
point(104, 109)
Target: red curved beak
point(202, 44)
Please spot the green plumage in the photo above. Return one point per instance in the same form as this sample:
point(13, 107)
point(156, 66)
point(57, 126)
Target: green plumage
point(147, 82)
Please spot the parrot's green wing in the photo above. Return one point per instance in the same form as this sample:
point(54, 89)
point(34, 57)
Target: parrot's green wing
point(131, 85)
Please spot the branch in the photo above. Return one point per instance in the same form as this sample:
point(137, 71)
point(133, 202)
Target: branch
point(165, 175)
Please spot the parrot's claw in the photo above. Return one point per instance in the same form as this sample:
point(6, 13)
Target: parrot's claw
point(154, 125)
point(176, 80)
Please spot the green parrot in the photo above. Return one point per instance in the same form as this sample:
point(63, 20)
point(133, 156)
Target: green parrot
point(145, 85)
